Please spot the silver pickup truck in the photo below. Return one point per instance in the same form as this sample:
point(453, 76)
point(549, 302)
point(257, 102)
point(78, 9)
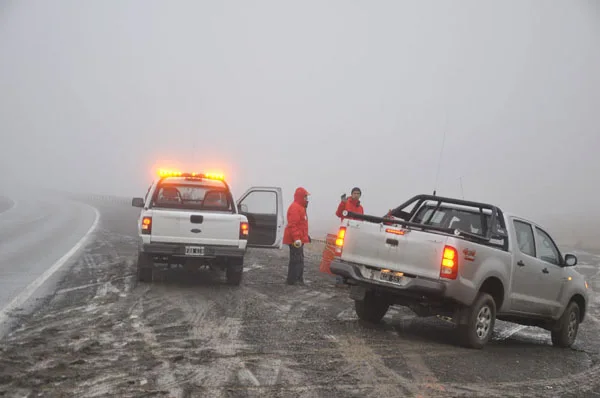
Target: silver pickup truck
point(463, 260)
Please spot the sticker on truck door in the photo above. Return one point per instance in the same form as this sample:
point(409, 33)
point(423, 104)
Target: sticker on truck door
point(469, 254)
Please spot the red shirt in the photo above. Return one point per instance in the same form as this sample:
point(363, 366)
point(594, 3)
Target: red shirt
point(351, 205)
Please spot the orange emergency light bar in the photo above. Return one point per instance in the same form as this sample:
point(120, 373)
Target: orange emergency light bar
point(173, 173)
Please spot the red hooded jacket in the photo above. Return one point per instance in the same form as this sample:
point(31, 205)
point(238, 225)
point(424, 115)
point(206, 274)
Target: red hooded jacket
point(351, 205)
point(297, 221)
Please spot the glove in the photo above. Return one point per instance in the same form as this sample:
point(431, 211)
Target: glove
point(298, 243)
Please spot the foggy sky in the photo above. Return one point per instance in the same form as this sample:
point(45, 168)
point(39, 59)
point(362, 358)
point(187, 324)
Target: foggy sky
point(322, 94)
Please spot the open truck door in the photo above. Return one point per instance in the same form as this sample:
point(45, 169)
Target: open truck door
point(263, 206)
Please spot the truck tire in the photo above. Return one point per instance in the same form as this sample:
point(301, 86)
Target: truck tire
point(480, 317)
point(234, 274)
point(144, 267)
point(372, 308)
point(567, 326)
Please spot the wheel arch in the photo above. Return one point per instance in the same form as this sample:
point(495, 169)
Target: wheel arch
point(495, 288)
point(578, 298)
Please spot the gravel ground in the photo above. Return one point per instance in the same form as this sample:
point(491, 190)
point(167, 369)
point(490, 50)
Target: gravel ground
point(190, 335)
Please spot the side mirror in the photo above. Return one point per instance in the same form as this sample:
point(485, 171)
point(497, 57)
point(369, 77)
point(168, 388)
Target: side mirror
point(137, 202)
point(570, 260)
point(242, 208)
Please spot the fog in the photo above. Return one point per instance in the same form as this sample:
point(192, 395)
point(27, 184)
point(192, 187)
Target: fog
point(94, 96)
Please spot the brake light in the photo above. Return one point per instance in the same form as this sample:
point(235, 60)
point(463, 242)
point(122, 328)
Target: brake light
point(395, 231)
point(339, 241)
point(449, 269)
point(244, 230)
point(146, 225)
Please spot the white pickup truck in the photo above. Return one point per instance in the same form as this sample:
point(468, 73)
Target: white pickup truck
point(192, 219)
point(464, 260)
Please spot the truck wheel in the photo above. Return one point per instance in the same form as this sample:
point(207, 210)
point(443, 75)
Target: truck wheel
point(144, 267)
point(235, 270)
point(567, 326)
point(234, 274)
point(372, 308)
point(481, 318)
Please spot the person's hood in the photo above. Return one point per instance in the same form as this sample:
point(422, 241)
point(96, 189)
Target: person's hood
point(299, 196)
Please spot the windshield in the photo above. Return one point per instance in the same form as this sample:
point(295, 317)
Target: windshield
point(189, 196)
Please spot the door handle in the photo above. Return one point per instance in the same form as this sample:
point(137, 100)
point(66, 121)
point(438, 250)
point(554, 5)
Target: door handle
point(521, 263)
point(545, 271)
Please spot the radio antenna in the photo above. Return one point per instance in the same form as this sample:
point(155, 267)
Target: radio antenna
point(437, 176)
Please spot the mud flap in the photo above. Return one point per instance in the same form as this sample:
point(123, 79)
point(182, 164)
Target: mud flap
point(461, 315)
point(357, 292)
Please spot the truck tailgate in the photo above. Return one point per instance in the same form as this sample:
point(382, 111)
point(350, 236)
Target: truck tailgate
point(410, 251)
point(203, 228)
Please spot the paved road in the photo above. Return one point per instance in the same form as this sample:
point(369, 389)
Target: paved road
point(34, 235)
point(102, 334)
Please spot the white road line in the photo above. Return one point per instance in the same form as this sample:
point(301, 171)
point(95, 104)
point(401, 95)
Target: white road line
point(33, 286)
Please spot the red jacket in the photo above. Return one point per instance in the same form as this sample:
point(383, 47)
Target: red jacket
point(351, 205)
point(297, 221)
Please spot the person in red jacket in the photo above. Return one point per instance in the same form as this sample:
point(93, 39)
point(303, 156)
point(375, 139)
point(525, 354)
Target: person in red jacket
point(296, 236)
point(351, 204)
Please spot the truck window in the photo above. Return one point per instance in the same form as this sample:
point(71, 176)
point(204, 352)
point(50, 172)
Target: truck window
point(525, 238)
point(189, 196)
point(424, 213)
point(547, 249)
point(261, 202)
point(452, 218)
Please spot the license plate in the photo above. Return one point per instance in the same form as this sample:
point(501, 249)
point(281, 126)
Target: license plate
point(391, 276)
point(194, 250)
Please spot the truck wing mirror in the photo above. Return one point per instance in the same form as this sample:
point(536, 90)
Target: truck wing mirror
point(137, 202)
point(570, 260)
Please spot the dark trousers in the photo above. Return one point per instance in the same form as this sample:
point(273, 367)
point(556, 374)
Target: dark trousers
point(296, 265)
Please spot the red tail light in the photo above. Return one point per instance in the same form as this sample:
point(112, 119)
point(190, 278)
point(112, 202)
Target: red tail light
point(449, 268)
point(339, 241)
point(395, 231)
point(244, 230)
point(146, 225)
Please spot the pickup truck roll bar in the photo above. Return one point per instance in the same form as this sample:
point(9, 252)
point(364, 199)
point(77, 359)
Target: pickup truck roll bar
point(490, 233)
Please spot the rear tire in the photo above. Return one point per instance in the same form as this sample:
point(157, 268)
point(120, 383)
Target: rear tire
point(234, 271)
point(372, 308)
point(144, 267)
point(567, 327)
point(481, 317)
point(234, 275)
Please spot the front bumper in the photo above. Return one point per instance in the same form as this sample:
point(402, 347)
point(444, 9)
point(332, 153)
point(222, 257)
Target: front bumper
point(413, 287)
point(178, 250)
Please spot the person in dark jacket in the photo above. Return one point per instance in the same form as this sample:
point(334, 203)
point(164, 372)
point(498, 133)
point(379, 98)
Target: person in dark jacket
point(296, 236)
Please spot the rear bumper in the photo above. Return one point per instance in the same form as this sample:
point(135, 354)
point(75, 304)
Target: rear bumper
point(178, 250)
point(414, 288)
